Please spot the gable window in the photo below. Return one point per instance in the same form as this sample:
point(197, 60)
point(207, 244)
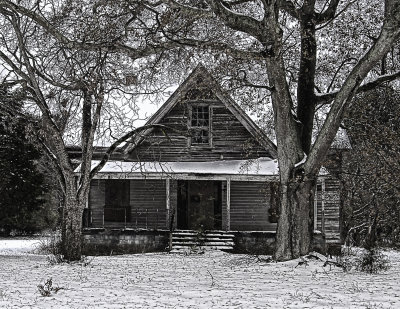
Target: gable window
point(200, 125)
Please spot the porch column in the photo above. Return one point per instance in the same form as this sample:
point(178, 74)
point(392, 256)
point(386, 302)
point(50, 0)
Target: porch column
point(167, 201)
point(228, 204)
point(323, 205)
point(316, 208)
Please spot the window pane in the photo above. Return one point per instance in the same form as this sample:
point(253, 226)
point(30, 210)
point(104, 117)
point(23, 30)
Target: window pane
point(200, 137)
point(200, 116)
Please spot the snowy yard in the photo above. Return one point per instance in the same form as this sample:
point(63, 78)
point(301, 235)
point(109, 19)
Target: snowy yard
point(211, 280)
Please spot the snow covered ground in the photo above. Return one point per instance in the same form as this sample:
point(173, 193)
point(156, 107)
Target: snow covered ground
point(211, 280)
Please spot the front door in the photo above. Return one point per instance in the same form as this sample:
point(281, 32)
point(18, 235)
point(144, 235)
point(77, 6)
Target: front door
point(199, 205)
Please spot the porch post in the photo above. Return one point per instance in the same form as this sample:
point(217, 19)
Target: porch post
point(323, 205)
point(228, 204)
point(167, 201)
point(316, 208)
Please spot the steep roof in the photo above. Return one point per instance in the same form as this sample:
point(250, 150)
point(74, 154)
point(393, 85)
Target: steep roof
point(190, 82)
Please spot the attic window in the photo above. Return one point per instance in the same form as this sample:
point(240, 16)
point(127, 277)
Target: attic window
point(200, 125)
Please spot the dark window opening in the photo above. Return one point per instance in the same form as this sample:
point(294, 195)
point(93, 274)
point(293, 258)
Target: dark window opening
point(117, 208)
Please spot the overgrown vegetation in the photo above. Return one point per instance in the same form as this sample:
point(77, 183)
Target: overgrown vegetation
point(26, 205)
point(48, 289)
point(372, 211)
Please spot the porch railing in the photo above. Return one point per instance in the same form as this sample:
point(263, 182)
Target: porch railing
point(148, 218)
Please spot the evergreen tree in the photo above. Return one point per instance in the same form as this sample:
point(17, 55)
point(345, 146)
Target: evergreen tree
point(22, 186)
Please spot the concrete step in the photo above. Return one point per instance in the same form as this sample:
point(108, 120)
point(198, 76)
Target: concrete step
point(188, 241)
point(205, 244)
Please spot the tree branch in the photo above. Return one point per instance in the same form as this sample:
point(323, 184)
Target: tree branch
point(118, 142)
point(328, 97)
point(329, 13)
point(389, 34)
point(237, 21)
point(289, 7)
point(111, 46)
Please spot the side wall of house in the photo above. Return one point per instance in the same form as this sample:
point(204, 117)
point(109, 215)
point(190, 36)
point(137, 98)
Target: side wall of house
point(327, 199)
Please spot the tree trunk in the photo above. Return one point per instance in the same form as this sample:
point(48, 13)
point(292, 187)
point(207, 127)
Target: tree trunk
point(295, 225)
point(72, 225)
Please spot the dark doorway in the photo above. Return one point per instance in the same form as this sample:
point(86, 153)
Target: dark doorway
point(117, 208)
point(199, 205)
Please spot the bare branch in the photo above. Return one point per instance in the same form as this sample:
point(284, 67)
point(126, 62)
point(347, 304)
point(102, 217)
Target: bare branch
point(329, 13)
point(328, 97)
point(118, 142)
point(111, 46)
point(389, 34)
point(289, 7)
point(237, 21)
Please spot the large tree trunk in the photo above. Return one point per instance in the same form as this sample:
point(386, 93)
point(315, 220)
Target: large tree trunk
point(72, 224)
point(295, 225)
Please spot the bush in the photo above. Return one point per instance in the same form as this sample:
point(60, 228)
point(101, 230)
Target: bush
point(372, 261)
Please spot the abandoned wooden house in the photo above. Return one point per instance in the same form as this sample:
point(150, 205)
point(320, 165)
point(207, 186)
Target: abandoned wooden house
point(206, 167)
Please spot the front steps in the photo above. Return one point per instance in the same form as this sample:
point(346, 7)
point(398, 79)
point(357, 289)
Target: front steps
point(187, 241)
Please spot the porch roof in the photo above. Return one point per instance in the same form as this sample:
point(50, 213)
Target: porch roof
point(254, 167)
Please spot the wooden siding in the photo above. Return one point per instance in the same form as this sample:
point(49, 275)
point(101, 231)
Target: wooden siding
point(148, 204)
point(328, 210)
point(230, 139)
point(97, 195)
point(250, 202)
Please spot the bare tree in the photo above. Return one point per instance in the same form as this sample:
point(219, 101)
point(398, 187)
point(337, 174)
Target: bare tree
point(73, 60)
point(275, 37)
point(261, 31)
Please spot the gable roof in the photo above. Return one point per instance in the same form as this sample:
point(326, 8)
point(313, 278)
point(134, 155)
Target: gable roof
point(190, 81)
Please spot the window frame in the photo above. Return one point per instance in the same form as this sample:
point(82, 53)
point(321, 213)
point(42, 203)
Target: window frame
point(192, 128)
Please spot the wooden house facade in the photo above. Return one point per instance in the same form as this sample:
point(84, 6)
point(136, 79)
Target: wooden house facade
point(204, 165)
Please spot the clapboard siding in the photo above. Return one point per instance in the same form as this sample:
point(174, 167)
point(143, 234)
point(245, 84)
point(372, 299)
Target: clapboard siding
point(97, 201)
point(148, 203)
point(250, 202)
point(230, 138)
point(328, 215)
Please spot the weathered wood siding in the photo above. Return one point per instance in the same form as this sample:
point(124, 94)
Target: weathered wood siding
point(97, 196)
point(328, 204)
point(230, 139)
point(250, 202)
point(148, 204)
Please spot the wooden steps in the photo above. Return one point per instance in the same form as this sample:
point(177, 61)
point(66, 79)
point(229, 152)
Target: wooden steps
point(186, 241)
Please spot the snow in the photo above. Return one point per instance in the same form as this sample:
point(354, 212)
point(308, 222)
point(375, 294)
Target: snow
point(261, 166)
point(18, 246)
point(211, 280)
point(302, 161)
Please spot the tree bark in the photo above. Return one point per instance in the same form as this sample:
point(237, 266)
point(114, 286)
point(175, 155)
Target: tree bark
point(72, 223)
point(295, 228)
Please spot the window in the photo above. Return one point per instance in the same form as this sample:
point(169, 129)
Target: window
point(200, 125)
point(117, 208)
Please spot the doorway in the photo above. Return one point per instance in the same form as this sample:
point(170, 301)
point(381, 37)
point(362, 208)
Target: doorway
point(199, 205)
